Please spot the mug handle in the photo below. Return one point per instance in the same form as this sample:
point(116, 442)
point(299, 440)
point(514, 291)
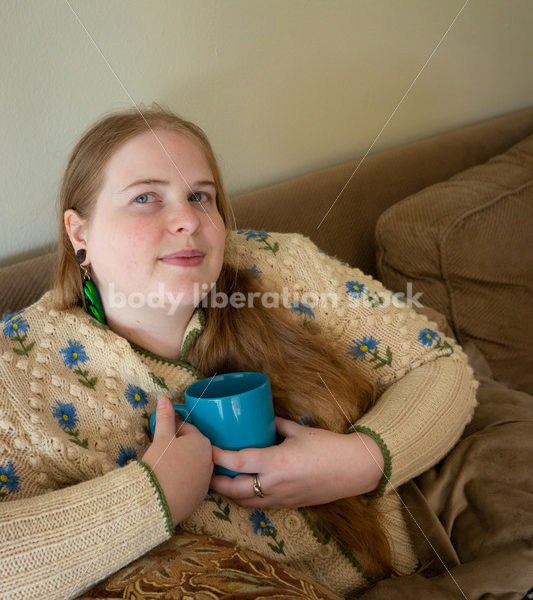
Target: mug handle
point(181, 409)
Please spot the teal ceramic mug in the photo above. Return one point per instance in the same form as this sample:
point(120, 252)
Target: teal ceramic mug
point(234, 410)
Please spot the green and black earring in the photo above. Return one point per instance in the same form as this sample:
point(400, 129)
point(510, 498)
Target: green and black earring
point(91, 297)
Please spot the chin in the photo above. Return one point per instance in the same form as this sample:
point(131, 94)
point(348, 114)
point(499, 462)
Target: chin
point(186, 295)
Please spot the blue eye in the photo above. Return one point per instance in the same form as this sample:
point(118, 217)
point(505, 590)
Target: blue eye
point(142, 198)
point(196, 197)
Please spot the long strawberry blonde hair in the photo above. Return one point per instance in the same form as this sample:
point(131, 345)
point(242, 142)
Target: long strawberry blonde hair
point(255, 338)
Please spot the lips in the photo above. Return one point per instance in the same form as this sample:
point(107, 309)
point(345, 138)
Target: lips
point(185, 253)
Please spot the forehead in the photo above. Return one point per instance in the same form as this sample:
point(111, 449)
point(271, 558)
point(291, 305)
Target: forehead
point(157, 154)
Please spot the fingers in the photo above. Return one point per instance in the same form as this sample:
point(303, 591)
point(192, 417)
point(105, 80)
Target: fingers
point(286, 427)
point(237, 488)
point(241, 490)
point(249, 460)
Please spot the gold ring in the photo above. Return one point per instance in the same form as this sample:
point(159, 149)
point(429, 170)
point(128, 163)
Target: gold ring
point(257, 487)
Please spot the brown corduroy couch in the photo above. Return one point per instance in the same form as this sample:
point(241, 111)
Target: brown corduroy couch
point(452, 216)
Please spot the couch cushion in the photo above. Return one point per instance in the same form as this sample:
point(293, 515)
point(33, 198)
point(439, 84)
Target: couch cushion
point(467, 245)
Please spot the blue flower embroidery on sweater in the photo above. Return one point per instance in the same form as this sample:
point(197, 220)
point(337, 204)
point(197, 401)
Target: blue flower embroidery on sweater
point(354, 288)
point(362, 347)
point(254, 233)
point(357, 289)
point(302, 309)
point(426, 336)
point(65, 415)
point(260, 236)
point(255, 271)
point(369, 346)
point(8, 479)
point(15, 328)
point(262, 524)
point(73, 354)
point(14, 324)
point(126, 455)
point(136, 396)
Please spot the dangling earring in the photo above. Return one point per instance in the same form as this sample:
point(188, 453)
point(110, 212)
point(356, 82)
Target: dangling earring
point(91, 297)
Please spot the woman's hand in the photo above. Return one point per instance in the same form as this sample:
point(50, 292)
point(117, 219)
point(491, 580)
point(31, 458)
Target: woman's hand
point(181, 458)
point(311, 466)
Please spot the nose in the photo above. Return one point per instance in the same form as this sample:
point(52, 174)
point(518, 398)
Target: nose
point(184, 219)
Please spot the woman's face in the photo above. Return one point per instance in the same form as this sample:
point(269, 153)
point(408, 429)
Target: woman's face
point(136, 226)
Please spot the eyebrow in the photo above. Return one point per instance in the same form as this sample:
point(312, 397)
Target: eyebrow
point(150, 181)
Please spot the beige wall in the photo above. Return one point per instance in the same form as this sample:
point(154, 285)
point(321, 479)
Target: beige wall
point(281, 87)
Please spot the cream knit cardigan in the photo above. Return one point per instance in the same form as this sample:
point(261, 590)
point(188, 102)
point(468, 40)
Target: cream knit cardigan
point(76, 502)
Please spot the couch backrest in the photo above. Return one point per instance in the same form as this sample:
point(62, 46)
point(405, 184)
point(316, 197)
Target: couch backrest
point(25, 282)
point(300, 205)
point(382, 179)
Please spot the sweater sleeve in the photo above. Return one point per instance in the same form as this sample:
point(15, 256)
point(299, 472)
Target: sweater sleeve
point(60, 544)
point(426, 391)
point(57, 543)
point(419, 418)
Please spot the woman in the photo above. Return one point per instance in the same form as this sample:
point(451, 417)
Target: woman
point(144, 220)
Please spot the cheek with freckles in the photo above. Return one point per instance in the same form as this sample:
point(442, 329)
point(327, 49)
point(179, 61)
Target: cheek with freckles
point(136, 235)
point(135, 241)
point(122, 252)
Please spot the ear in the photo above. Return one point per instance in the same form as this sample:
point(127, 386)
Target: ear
point(76, 229)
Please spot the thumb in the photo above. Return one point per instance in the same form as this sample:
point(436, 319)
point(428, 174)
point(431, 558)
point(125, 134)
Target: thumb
point(165, 420)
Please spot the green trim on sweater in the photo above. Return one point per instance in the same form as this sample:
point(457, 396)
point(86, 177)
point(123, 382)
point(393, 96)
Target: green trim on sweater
point(192, 335)
point(325, 538)
point(169, 361)
point(162, 499)
point(356, 564)
point(319, 536)
point(386, 456)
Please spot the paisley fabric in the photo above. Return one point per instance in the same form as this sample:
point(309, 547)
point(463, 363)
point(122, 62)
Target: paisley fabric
point(204, 568)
